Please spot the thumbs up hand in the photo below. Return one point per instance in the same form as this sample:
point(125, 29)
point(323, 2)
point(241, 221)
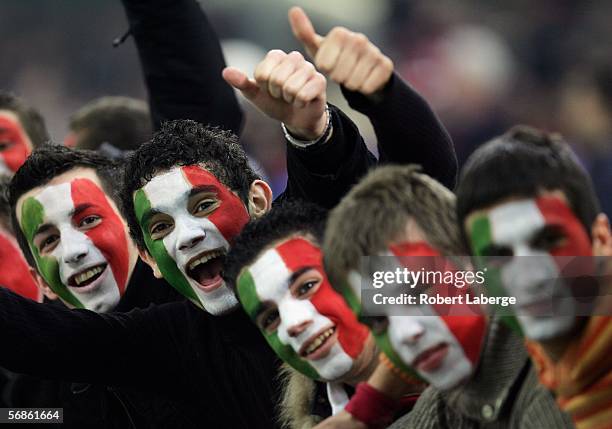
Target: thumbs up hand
point(348, 58)
point(287, 88)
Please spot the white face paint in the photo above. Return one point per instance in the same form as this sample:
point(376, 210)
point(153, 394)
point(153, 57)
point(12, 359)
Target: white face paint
point(191, 237)
point(301, 325)
point(420, 337)
point(4, 170)
point(531, 275)
point(76, 253)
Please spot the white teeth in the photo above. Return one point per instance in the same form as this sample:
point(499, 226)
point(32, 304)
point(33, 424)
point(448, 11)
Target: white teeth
point(87, 275)
point(317, 342)
point(205, 258)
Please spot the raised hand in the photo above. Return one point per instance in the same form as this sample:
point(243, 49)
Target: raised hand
point(348, 58)
point(287, 88)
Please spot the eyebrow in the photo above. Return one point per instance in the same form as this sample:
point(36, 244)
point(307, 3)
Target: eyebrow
point(80, 209)
point(293, 277)
point(146, 217)
point(202, 188)
point(43, 228)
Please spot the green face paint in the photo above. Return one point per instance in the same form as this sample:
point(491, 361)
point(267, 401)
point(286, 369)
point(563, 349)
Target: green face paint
point(32, 216)
point(167, 265)
point(251, 304)
point(480, 239)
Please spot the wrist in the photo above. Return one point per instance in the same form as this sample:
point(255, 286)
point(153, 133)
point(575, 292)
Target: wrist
point(302, 139)
point(314, 132)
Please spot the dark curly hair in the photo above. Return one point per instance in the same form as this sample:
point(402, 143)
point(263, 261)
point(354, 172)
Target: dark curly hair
point(523, 162)
point(30, 118)
point(179, 143)
point(49, 161)
point(285, 219)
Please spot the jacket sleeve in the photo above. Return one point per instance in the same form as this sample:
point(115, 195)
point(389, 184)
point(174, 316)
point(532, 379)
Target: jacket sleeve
point(182, 63)
point(324, 173)
point(50, 341)
point(407, 130)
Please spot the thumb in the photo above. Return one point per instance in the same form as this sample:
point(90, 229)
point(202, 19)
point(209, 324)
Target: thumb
point(240, 81)
point(304, 31)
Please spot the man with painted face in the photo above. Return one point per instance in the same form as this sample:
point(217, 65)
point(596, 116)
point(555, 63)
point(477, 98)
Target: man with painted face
point(542, 212)
point(479, 372)
point(275, 265)
point(22, 128)
point(77, 243)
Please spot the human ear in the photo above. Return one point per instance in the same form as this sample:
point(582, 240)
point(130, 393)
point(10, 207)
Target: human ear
point(42, 285)
point(150, 261)
point(601, 236)
point(260, 198)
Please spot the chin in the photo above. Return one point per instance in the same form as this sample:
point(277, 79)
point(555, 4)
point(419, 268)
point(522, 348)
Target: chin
point(546, 328)
point(219, 302)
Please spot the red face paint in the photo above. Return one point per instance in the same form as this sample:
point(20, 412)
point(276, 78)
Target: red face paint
point(468, 330)
point(299, 253)
point(231, 216)
point(14, 141)
point(14, 270)
point(109, 237)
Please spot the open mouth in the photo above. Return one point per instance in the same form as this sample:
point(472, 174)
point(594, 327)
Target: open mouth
point(206, 268)
point(85, 279)
point(319, 345)
point(431, 359)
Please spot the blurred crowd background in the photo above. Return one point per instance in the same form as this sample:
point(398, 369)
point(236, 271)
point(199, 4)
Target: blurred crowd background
point(483, 65)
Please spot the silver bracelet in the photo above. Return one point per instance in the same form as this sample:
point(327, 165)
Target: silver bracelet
point(302, 144)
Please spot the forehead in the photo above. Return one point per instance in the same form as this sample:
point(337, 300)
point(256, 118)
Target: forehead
point(273, 268)
point(167, 188)
point(7, 117)
point(57, 193)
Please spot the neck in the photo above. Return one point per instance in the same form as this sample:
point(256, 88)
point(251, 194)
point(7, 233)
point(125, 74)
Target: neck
point(364, 365)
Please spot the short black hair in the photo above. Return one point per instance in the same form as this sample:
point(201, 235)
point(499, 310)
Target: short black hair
point(122, 122)
point(523, 162)
point(182, 143)
point(31, 120)
point(49, 161)
point(285, 219)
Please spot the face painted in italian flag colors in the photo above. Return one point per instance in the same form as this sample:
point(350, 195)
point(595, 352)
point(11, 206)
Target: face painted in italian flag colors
point(426, 342)
point(14, 270)
point(532, 234)
point(189, 220)
point(79, 243)
point(15, 145)
point(286, 292)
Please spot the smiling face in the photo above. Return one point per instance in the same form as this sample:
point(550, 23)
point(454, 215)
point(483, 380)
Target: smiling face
point(530, 234)
point(78, 240)
point(15, 145)
point(286, 292)
point(189, 219)
point(443, 350)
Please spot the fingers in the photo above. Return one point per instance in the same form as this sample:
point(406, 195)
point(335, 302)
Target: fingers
point(240, 81)
point(350, 59)
point(304, 31)
point(290, 77)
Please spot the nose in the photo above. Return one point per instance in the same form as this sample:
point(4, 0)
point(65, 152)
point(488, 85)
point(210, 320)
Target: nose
point(298, 328)
point(75, 252)
point(190, 237)
point(414, 332)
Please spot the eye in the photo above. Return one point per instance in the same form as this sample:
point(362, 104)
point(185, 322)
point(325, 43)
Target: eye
point(550, 237)
point(496, 256)
point(204, 206)
point(159, 228)
point(269, 320)
point(305, 287)
point(4, 145)
point(377, 324)
point(49, 243)
point(90, 221)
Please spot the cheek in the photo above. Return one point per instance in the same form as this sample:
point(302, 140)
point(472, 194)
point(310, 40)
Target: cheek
point(469, 332)
point(351, 334)
point(16, 155)
point(230, 218)
point(110, 238)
